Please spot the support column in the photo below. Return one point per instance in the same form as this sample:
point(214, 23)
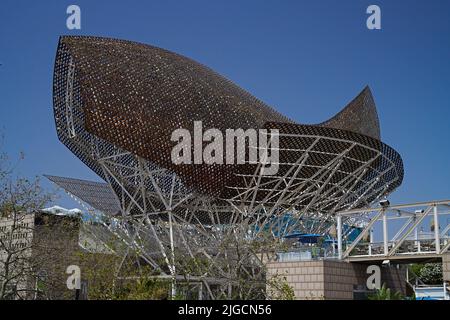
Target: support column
point(172, 251)
point(436, 230)
point(416, 238)
point(200, 291)
point(339, 235)
point(385, 234)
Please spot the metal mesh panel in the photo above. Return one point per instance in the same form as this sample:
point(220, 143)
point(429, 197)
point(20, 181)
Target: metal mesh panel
point(134, 96)
point(96, 194)
point(341, 169)
point(117, 102)
point(359, 116)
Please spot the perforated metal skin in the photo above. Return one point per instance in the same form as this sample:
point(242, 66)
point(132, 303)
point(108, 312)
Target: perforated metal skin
point(112, 96)
point(359, 116)
point(341, 169)
point(97, 195)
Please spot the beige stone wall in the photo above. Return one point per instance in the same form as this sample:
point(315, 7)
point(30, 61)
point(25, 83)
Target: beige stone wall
point(340, 278)
point(22, 233)
point(332, 280)
point(16, 235)
point(446, 266)
point(305, 277)
point(51, 243)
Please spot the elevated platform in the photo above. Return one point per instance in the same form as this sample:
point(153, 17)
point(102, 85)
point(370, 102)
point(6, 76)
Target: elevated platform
point(397, 259)
point(418, 232)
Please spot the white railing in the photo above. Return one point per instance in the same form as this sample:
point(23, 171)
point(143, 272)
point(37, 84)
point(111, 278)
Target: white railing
point(409, 231)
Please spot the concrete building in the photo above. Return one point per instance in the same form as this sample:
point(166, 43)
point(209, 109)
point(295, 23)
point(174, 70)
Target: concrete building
point(35, 250)
point(333, 279)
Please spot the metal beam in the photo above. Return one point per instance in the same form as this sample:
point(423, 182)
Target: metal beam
point(406, 234)
point(362, 234)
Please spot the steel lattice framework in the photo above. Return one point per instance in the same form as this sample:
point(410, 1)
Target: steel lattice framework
point(116, 104)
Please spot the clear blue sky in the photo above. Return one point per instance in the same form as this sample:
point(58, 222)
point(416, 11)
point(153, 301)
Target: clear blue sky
point(305, 58)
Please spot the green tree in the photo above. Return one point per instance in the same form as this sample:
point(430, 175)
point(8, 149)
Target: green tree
point(385, 293)
point(110, 277)
point(278, 288)
point(431, 273)
point(20, 198)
